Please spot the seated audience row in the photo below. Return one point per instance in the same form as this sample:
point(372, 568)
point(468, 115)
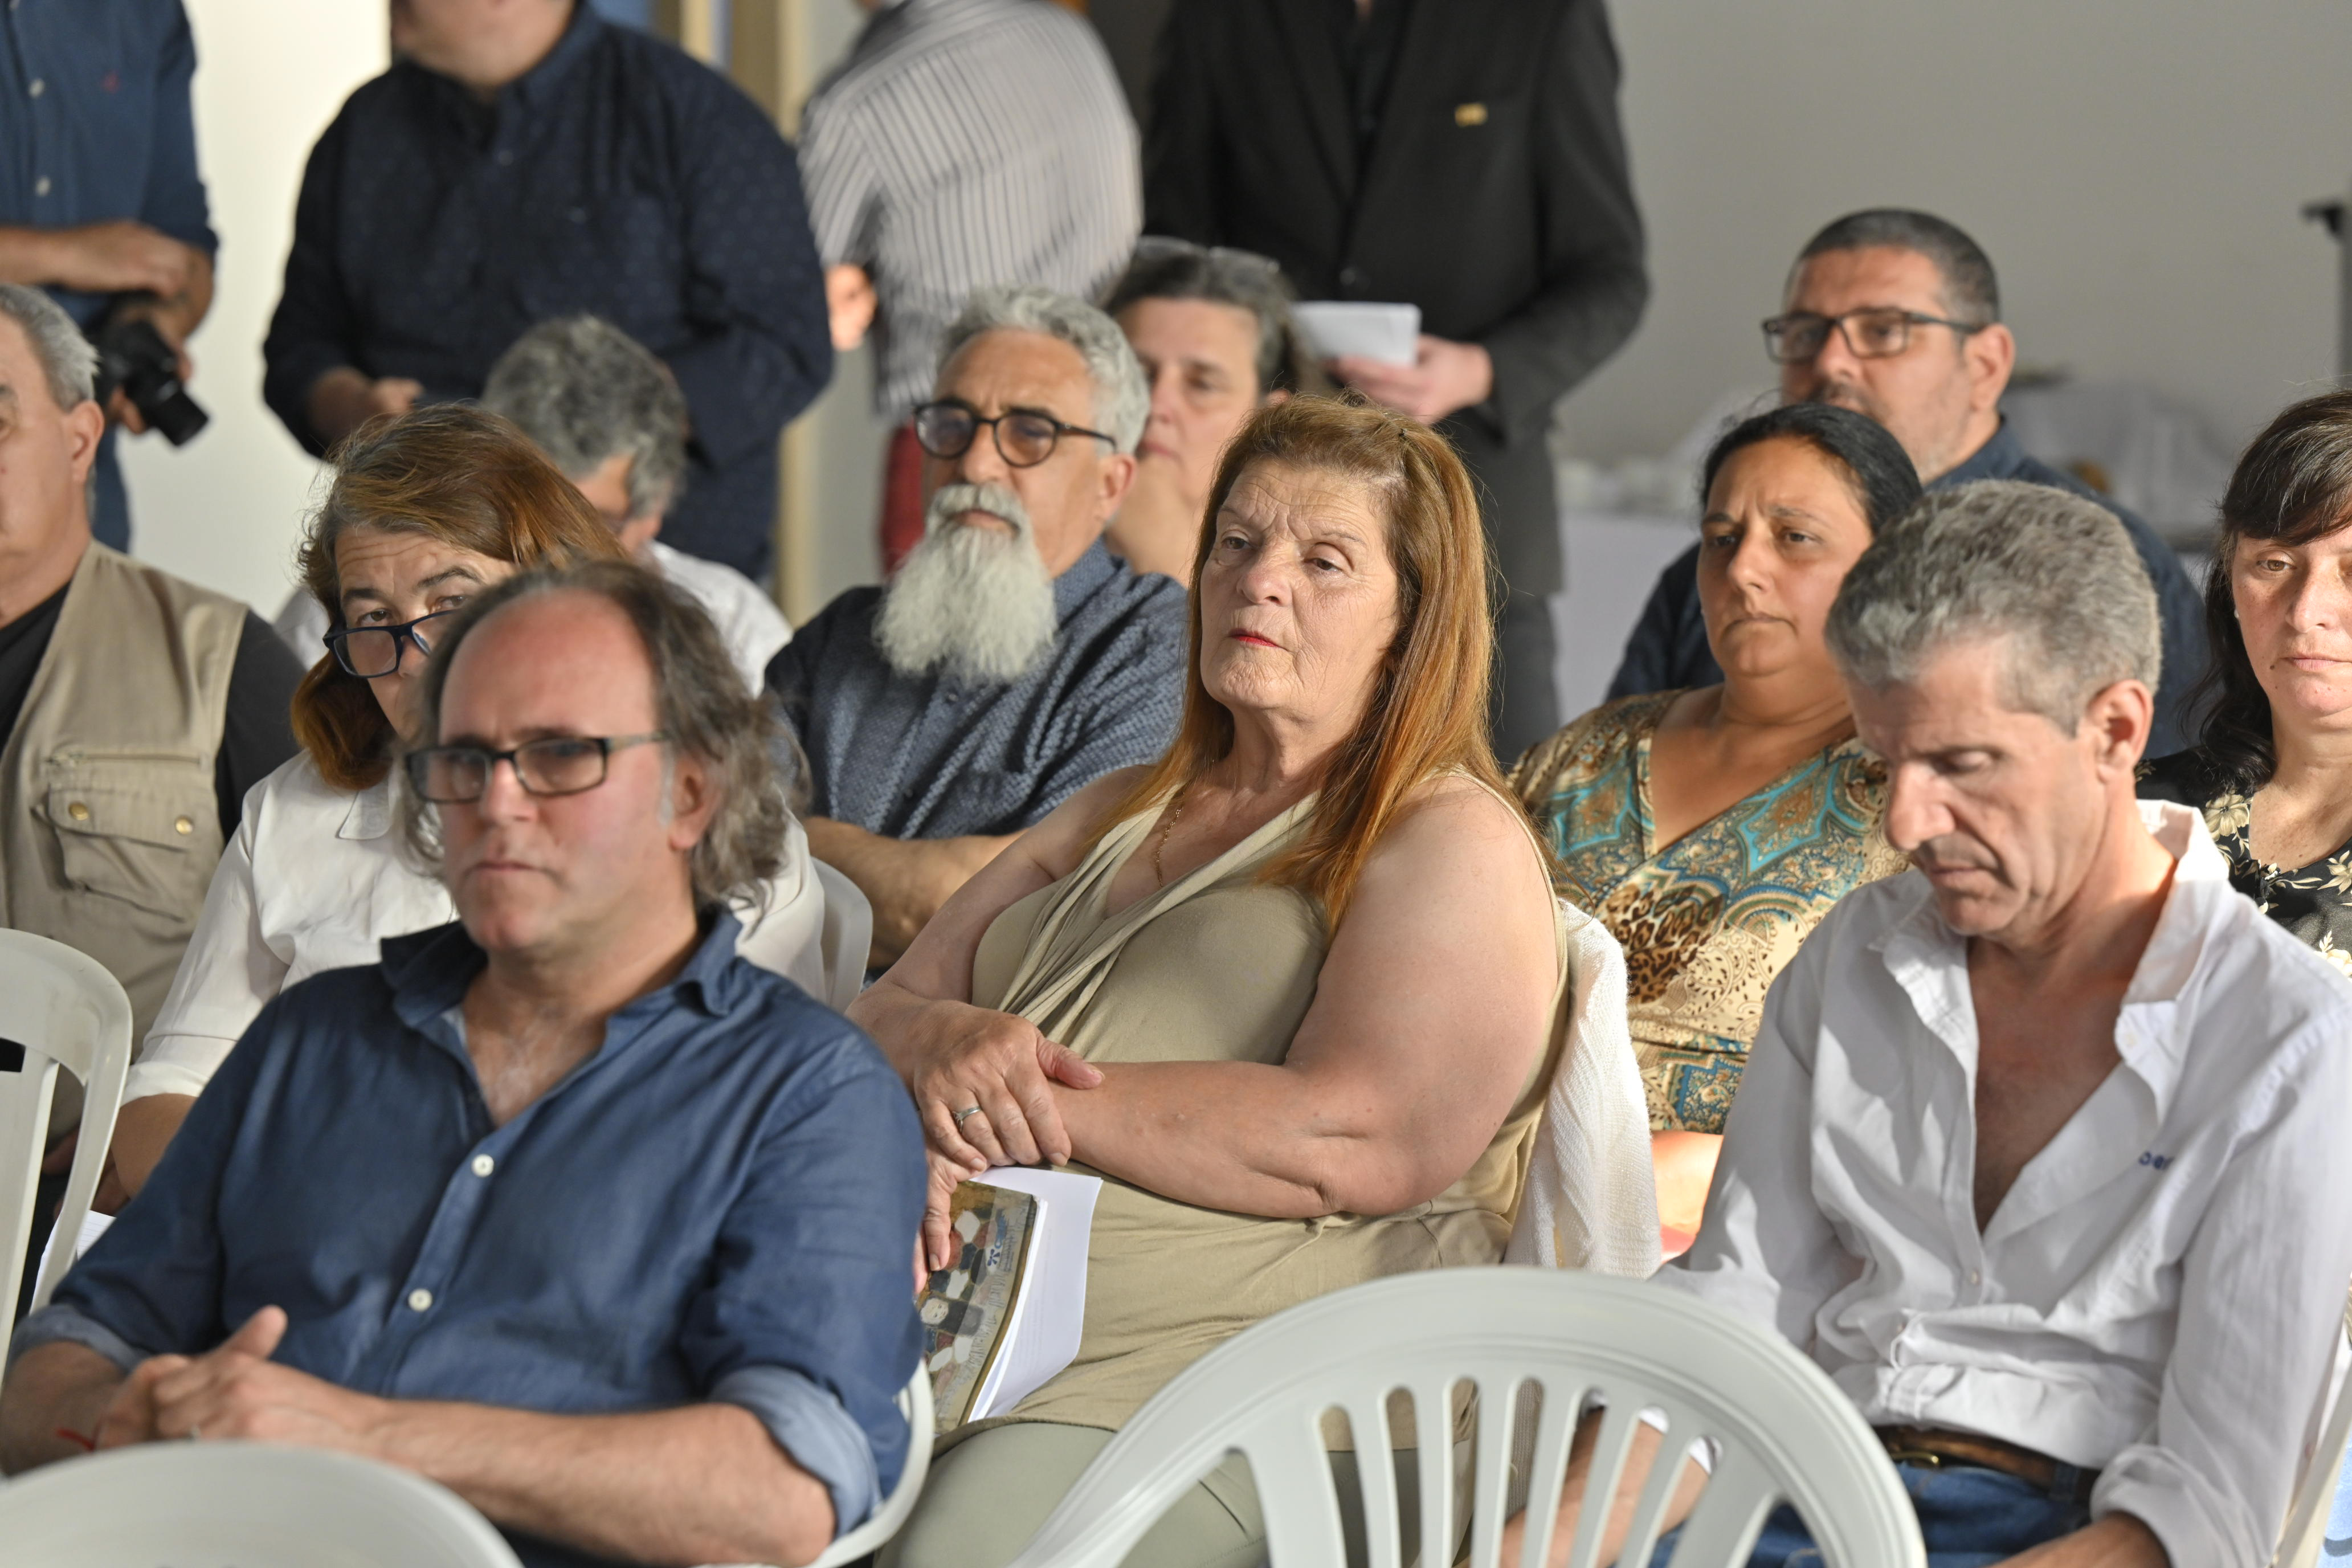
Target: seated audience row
point(424, 513)
point(1710, 830)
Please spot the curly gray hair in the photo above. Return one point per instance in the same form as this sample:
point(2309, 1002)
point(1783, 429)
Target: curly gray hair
point(1122, 398)
point(69, 363)
point(2051, 574)
point(701, 703)
point(585, 392)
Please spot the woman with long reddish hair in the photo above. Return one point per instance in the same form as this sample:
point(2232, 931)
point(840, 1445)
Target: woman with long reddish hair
point(1291, 991)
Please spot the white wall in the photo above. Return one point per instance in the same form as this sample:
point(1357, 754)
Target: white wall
point(226, 509)
point(2134, 167)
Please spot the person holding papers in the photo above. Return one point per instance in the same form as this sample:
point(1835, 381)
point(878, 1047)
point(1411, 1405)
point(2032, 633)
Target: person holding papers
point(1291, 991)
point(1462, 157)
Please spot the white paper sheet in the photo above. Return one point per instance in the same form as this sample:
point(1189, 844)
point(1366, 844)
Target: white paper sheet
point(93, 1226)
point(1389, 334)
point(1042, 1336)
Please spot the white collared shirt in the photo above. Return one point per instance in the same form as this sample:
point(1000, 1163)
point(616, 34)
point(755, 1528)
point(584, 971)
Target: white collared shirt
point(2160, 1293)
point(313, 879)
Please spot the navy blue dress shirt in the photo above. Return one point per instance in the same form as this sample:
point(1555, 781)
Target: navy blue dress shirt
point(618, 177)
point(718, 1205)
point(934, 756)
point(1668, 648)
point(95, 125)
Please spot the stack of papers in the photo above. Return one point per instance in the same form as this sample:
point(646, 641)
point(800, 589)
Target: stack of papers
point(1389, 334)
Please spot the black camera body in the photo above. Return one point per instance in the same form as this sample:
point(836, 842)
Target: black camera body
point(133, 356)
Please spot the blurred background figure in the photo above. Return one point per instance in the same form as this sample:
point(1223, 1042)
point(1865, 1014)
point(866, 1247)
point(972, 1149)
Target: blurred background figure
point(523, 160)
point(611, 417)
point(1362, 147)
point(1213, 332)
point(1897, 315)
point(963, 142)
point(100, 200)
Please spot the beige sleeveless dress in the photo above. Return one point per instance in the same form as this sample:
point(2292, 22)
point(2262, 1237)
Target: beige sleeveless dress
point(1216, 966)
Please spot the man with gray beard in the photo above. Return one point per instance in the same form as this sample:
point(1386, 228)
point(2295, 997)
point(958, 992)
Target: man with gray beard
point(1013, 660)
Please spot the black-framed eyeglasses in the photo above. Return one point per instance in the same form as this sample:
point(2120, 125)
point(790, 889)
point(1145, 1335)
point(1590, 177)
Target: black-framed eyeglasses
point(370, 651)
point(559, 764)
point(1024, 437)
point(1879, 333)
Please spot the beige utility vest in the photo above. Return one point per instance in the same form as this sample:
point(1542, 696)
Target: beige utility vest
point(108, 825)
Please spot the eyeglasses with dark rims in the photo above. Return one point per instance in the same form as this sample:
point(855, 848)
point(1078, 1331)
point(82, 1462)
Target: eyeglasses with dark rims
point(370, 651)
point(559, 764)
point(1878, 333)
point(1024, 437)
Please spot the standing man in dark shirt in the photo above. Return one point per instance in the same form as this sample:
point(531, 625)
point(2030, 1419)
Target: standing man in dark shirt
point(520, 160)
point(100, 202)
point(1460, 155)
point(1895, 314)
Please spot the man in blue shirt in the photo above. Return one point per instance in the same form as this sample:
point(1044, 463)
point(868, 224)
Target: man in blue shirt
point(520, 160)
point(563, 1206)
point(1897, 315)
point(100, 202)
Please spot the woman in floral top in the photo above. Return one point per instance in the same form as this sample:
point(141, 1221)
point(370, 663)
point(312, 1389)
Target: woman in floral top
point(1710, 830)
point(2273, 770)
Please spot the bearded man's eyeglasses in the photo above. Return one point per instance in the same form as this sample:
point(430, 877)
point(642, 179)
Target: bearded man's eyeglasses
point(1879, 333)
point(1024, 437)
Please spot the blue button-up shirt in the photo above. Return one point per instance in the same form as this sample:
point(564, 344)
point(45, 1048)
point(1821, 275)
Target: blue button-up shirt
point(617, 177)
point(718, 1204)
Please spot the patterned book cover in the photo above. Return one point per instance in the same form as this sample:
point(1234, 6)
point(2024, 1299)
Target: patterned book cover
point(966, 1305)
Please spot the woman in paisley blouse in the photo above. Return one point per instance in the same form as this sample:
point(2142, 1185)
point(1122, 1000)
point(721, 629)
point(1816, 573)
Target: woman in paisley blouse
point(2273, 770)
point(1711, 829)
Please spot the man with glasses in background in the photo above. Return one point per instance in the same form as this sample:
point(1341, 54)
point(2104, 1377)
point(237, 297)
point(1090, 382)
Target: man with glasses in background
point(1896, 314)
point(564, 1205)
point(1013, 660)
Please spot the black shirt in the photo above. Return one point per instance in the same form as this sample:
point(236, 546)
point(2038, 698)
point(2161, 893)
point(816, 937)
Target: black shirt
point(618, 177)
point(257, 735)
point(1668, 649)
point(2312, 903)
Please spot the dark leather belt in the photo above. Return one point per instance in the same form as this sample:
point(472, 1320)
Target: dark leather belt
point(1935, 1448)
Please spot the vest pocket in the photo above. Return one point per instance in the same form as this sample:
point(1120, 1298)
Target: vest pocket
point(141, 828)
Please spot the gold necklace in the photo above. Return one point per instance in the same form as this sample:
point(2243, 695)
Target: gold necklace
point(1167, 826)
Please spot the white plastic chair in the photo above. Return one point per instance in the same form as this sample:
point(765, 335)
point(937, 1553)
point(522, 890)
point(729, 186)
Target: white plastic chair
point(915, 1403)
point(1784, 1432)
point(848, 936)
point(67, 1011)
point(249, 1503)
point(2314, 1492)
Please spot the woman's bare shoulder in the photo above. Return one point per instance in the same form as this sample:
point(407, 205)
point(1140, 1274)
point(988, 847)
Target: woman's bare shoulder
point(1058, 842)
point(1457, 821)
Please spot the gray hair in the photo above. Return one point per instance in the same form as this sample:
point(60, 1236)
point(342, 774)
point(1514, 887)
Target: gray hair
point(1972, 292)
point(701, 703)
point(2048, 572)
point(67, 361)
point(1167, 268)
point(586, 392)
point(1122, 398)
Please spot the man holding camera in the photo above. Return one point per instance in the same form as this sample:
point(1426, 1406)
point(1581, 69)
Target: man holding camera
point(102, 203)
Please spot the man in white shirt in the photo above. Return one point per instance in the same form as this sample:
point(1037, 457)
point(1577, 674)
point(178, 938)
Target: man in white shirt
point(612, 418)
point(2039, 1151)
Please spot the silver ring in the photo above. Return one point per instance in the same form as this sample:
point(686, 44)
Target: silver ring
point(963, 1116)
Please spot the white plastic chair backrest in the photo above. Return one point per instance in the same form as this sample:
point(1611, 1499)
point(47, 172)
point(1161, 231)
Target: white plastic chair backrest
point(915, 1404)
point(67, 1012)
point(1783, 1430)
point(848, 936)
point(2314, 1492)
point(248, 1503)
